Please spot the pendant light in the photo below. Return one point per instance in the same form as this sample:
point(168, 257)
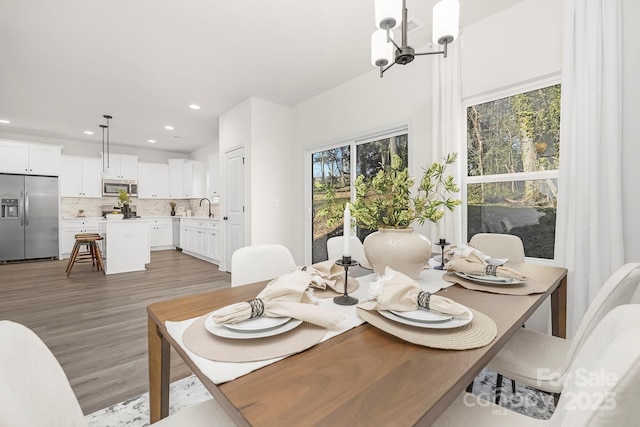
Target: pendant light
point(393, 13)
point(106, 165)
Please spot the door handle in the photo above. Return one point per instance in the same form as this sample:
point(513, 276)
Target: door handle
point(225, 218)
point(21, 207)
point(26, 208)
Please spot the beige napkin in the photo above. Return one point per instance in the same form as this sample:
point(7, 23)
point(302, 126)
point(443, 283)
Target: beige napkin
point(327, 274)
point(471, 262)
point(395, 291)
point(285, 296)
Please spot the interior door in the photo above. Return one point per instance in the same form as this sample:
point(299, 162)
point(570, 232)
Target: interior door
point(234, 196)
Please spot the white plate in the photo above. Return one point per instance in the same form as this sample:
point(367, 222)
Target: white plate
point(456, 322)
point(257, 324)
point(423, 315)
point(491, 280)
point(221, 331)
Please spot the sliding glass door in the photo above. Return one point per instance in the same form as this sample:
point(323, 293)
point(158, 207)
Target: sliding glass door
point(334, 169)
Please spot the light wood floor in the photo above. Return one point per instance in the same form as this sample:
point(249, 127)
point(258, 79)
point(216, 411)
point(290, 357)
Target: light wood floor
point(96, 325)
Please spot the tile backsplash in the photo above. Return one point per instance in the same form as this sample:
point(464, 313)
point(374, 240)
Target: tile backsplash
point(69, 206)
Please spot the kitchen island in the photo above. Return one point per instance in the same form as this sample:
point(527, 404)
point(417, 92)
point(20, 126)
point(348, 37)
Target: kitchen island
point(126, 245)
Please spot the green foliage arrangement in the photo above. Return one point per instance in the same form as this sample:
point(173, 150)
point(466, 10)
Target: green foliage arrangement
point(386, 201)
point(123, 198)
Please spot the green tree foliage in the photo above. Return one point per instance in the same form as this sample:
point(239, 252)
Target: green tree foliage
point(515, 134)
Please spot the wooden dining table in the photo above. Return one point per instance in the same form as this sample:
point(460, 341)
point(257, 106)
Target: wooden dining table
point(361, 377)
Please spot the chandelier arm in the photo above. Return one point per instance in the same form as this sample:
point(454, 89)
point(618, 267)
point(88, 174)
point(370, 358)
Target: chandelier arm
point(390, 39)
point(443, 52)
point(383, 69)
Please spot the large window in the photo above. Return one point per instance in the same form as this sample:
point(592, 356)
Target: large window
point(334, 168)
point(512, 162)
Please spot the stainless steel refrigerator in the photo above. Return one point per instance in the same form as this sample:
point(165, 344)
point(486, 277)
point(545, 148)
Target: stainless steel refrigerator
point(28, 217)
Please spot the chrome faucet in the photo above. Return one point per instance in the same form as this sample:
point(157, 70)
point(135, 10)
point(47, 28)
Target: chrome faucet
point(204, 198)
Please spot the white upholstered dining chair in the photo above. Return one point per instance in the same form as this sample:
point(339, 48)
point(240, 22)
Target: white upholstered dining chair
point(335, 247)
point(499, 245)
point(255, 263)
point(35, 392)
point(601, 390)
point(541, 360)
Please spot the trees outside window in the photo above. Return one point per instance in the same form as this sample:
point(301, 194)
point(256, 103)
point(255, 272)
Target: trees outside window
point(513, 149)
point(333, 170)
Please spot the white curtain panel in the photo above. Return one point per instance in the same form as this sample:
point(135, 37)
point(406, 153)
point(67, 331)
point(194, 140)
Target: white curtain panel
point(589, 239)
point(447, 132)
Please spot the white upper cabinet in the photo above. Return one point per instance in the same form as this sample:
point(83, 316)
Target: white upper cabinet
point(214, 175)
point(80, 177)
point(123, 166)
point(194, 179)
point(153, 181)
point(188, 179)
point(175, 179)
point(30, 159)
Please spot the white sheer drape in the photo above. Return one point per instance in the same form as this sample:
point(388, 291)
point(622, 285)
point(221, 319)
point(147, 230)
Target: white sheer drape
point(589, 223)
point(447, 131)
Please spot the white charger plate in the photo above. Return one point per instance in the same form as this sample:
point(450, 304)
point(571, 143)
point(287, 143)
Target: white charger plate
point(261, 323)
point(491, 280)
point(224, 332)
point(456, 322)
point(423, 315)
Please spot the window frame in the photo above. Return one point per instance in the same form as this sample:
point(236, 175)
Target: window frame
point(353, 142)
point(466, 180)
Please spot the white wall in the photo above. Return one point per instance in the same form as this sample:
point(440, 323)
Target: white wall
point(269, 163)
point(520, 43)
point(631, 128)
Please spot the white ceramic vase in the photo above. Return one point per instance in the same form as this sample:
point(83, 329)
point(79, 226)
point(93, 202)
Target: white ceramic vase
point(399, 248)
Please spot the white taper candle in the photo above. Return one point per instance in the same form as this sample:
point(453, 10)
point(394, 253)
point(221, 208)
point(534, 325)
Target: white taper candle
point(346, 248)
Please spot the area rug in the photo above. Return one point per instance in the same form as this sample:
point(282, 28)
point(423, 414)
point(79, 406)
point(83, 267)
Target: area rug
point(189, 391)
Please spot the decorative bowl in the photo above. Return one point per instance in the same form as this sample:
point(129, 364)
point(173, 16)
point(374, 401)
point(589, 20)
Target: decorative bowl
point(114, 216)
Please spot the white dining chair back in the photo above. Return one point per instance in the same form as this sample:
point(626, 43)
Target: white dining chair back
point(499, 246)
point(601, 390)
point(256, 263)
point(529, 350)
point(335, 247)
point(35, 391)
point(619, 289)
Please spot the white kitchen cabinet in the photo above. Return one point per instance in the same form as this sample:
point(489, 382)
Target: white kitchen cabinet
point(29, 159)
point(153, 181)
point(188, 179)
point(160, 233)
point(123, 166)
point(200, 238)
point(175, 179)
point(214, 175)
point(70, 227)
point(80, 177)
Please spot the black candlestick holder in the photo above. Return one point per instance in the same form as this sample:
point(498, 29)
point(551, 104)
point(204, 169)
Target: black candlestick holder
point(442, 243)
point(345, 299)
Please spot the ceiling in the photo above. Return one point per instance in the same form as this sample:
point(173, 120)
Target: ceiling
point(66, 63)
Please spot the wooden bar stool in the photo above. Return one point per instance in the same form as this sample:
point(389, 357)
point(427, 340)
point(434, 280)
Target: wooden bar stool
point(92, 252)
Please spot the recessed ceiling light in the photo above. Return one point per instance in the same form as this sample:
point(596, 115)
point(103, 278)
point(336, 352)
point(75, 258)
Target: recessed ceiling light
point(194, 107)
point(88, 132)
point(153, 141)
point(169, 127)
point(6, 122)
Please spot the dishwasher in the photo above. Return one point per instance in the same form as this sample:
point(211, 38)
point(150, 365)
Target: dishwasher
point(176, 233)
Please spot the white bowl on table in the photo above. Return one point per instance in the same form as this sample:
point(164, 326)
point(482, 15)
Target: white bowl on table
point(114, 216)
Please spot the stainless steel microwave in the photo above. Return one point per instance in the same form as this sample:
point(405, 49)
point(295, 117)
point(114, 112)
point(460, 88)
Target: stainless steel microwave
point(112, 187)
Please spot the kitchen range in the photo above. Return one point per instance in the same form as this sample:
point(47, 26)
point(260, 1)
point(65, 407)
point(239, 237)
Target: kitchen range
point(28, 217)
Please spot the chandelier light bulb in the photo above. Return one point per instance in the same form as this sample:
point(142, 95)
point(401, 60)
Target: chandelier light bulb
point(446, 15)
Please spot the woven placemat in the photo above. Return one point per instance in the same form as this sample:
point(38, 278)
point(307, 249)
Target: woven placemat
point(531, 286)
point(203, 343)
point(478, 333)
